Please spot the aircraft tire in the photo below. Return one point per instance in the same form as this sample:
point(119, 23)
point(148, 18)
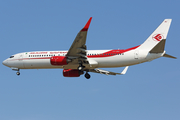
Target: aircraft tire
point(18, 73)
point(87, 75)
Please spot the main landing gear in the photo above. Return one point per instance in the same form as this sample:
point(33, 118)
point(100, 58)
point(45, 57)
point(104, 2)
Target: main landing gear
point(87, 75)
point(81, 68)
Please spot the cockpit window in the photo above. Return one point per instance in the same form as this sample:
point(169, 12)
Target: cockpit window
point(11, 56)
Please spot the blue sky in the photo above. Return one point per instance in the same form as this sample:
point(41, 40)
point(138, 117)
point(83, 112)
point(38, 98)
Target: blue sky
point(149, 91)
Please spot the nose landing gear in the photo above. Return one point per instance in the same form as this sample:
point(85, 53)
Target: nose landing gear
point(16, 69)
point(18, 73)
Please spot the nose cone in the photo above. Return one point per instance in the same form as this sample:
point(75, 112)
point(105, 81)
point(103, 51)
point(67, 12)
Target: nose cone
point(5, 62)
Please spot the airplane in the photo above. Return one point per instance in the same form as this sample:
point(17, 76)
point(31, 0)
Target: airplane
point(78, 60)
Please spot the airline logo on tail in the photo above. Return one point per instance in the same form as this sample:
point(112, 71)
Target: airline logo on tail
point(157, 37)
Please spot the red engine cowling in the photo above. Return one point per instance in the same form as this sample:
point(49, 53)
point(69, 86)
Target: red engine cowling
point(71, 73)
point(58, 60)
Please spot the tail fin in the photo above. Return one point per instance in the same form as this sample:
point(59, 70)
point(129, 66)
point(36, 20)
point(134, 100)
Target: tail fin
point(156, 41)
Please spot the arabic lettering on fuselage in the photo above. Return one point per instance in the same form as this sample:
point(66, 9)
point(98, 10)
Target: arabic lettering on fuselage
point(47, 52)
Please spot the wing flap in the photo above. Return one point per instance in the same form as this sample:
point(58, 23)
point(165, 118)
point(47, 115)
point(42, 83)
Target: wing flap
point(108, 72)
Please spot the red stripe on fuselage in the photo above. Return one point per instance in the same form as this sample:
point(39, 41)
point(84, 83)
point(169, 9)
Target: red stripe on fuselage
point(37, 58)
point(98, 55)
point(31, 58)
point(111, 53)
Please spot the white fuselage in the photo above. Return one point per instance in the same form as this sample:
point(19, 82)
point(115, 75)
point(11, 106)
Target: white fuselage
point(96, 58)
point(78, 59)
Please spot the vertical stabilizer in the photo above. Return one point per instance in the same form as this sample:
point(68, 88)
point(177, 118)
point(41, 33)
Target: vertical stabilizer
point(157, 36)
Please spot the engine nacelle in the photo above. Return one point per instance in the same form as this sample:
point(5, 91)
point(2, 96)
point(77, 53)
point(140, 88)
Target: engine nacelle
point(58, 60)
point(72, 73)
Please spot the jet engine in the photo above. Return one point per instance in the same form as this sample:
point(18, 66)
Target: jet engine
point(58, 60)
point(72, 73)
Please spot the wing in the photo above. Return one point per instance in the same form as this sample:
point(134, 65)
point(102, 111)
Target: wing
point(108, 72)
point(78, 48)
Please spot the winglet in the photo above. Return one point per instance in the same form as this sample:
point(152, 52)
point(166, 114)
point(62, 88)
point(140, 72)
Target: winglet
point(125, 70)
point(87, 25)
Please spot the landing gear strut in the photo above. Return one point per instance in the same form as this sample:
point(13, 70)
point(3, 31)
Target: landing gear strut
point(16, 69)
point(81, 67)
point(87, 75)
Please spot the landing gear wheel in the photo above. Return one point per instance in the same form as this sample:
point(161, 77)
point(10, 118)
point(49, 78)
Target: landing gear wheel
point(18, 73)
point(87, 76)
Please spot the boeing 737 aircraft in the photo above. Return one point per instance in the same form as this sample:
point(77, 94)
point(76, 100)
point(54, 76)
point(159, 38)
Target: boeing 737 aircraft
point(78, 59)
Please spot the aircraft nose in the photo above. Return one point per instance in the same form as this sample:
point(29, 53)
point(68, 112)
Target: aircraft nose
point(5, 62)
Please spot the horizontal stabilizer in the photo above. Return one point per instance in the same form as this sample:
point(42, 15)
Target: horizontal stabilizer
point(169, 56)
